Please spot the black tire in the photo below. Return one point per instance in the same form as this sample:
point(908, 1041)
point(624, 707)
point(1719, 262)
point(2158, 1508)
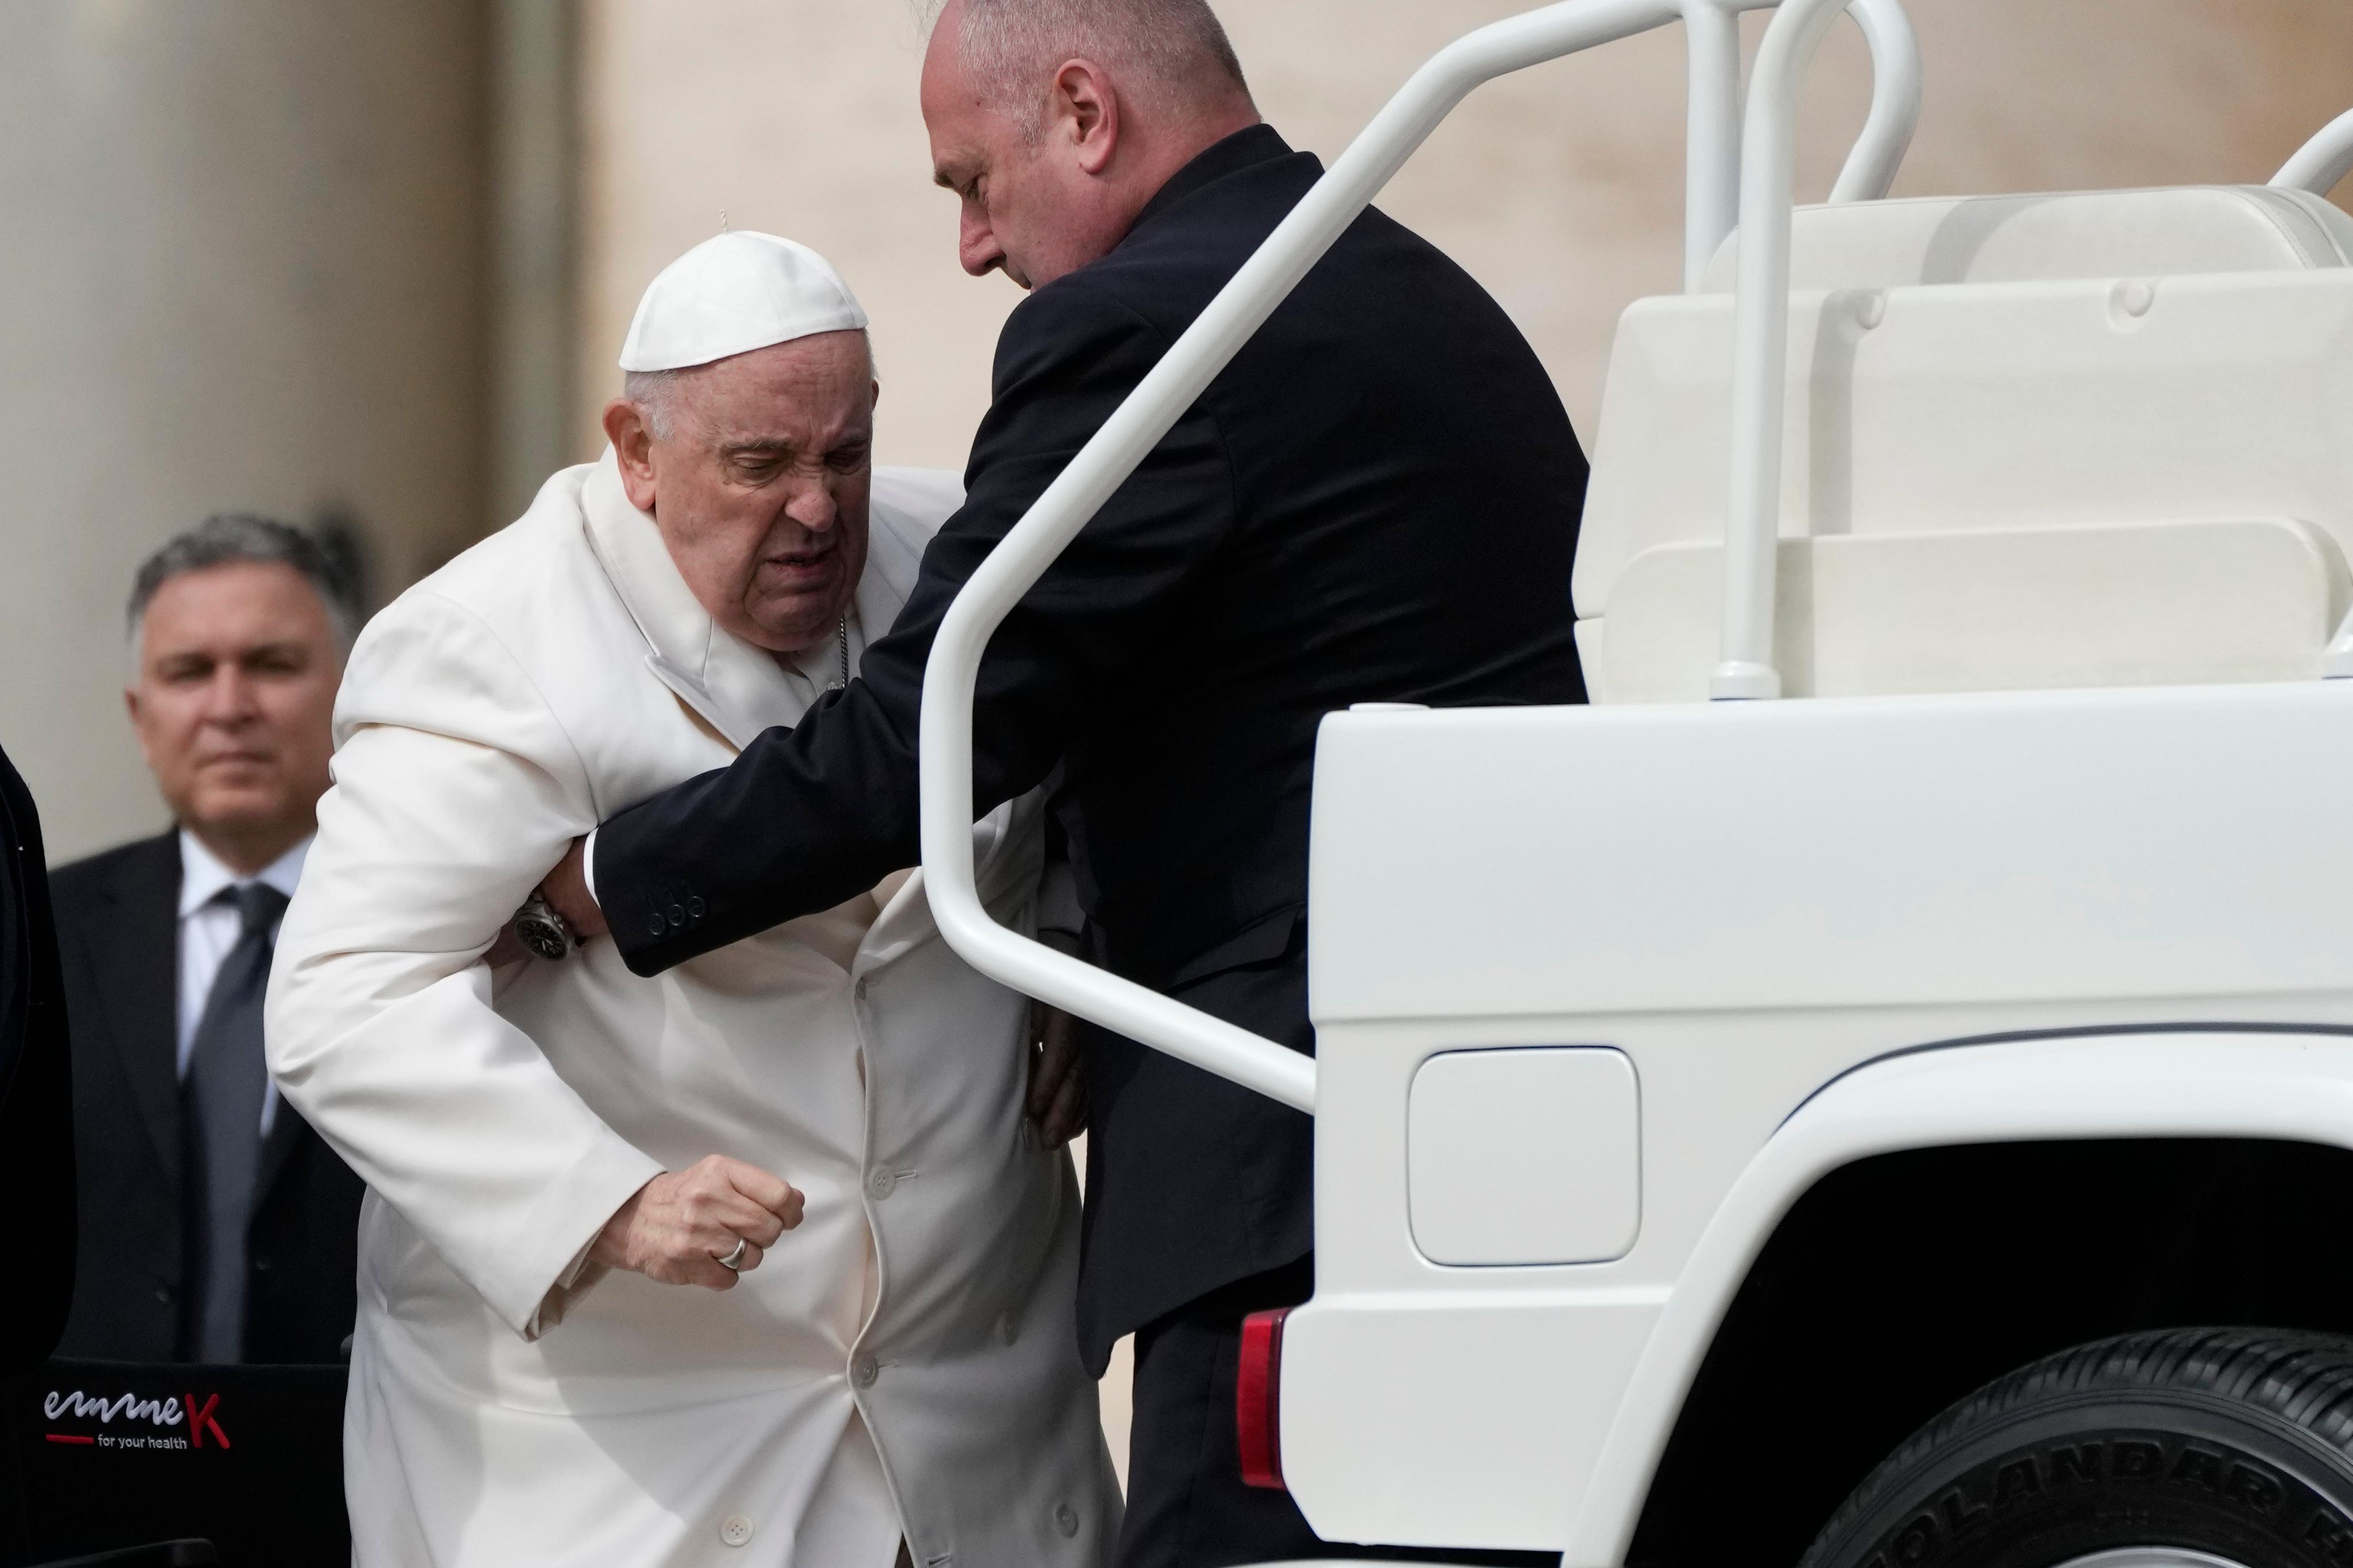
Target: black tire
point(2234, 1443)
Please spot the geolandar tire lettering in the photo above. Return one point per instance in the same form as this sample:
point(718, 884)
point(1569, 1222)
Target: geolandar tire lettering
point(2232, 1443)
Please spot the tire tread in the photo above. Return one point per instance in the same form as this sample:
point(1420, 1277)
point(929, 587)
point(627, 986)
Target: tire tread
point(2303, 1378)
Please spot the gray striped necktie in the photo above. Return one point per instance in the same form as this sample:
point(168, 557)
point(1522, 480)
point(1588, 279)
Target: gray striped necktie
point(221, 1123)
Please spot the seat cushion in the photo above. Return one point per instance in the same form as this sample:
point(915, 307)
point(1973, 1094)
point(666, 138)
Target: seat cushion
point(2062, 235)
point(2003, 609)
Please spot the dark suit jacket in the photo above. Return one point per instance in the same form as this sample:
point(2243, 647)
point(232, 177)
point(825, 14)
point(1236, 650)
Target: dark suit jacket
point(1377, 501)
point(117, 928)
point(35, 1093)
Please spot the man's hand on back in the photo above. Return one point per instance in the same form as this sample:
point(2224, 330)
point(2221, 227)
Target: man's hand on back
point(1057, 1101)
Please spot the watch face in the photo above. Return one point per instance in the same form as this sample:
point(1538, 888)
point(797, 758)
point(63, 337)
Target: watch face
point(543, 935)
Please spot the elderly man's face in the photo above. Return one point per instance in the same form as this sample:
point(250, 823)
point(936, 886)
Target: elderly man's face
point(232, 702)
point(759, 484)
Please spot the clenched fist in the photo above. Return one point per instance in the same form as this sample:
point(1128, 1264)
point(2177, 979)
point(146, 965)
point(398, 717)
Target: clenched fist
point(679, 1226)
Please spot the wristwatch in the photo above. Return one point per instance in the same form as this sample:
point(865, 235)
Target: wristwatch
point(539, 928)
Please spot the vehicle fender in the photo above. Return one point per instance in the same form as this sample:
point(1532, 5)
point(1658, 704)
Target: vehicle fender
point(2212, 1082)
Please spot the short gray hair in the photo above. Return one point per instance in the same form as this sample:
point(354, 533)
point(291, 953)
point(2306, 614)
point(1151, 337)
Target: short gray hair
point(1176, 44)
point(232, 537)
point(654, 392)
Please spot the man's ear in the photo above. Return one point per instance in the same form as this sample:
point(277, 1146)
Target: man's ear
point(1085, 109)
point(633, 445)
point(139, 726)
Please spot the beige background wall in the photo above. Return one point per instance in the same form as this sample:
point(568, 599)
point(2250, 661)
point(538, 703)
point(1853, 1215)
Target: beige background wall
point(239, 268)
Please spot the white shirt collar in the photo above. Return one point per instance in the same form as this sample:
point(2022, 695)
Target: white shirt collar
point(202, 875)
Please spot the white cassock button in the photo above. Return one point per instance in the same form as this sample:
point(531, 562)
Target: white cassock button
point(882, 1183)
point(1066, 1518)
point(736, 1531)
point(865, 1369)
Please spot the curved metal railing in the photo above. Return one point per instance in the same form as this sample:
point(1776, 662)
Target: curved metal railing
point(1205, 348)
point(1712, 140)
point(2321, 164)
point(1760, 348)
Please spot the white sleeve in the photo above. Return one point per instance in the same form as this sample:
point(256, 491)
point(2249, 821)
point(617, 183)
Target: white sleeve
point(455, 790)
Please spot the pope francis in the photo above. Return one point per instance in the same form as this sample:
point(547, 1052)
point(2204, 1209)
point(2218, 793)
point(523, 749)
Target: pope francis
point(755, 1262)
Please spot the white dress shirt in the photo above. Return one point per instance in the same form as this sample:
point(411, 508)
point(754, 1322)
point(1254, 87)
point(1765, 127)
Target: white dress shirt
point(208, 932)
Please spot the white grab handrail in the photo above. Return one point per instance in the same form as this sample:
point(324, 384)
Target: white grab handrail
point(1114, 453)
point(2321, 164)
point(1760, 349)
point(1895, 86)
point(1714, 139)
point(1712, 172)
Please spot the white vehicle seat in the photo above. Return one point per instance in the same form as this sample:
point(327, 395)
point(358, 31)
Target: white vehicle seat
point(2034, 441)
point(2038, 238)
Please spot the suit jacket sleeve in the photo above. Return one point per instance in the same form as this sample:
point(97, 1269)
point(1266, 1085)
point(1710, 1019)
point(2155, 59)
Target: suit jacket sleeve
point(455, 788)
point(808, 816)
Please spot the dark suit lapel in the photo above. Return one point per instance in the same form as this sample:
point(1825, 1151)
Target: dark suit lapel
point(136, 951)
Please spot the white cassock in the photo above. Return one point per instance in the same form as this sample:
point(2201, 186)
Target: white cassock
point(509, 1406)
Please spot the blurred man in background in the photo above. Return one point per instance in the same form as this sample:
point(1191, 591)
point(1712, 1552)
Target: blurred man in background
point(214, 1226)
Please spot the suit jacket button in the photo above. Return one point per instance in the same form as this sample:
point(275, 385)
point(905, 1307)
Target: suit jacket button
point(655, 927)
point(677, 915)
point(163, 1294)
point(695, 908)
point(1008, 1330)
point(261, 1266)
point(882, 1184)
point(865, 1369)
point(1066, 1518)
point(735, 1530)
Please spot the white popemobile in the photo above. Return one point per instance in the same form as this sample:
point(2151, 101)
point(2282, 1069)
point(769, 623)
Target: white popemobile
point(1900, 1112)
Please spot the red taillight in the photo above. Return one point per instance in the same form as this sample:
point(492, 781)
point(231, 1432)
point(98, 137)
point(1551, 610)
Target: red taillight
point(1258, 1399)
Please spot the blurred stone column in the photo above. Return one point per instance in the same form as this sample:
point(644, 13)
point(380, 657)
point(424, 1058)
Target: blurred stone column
point(534, 241)
point(243, 264)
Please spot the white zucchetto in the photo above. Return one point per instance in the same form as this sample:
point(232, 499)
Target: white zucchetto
point(735, 292)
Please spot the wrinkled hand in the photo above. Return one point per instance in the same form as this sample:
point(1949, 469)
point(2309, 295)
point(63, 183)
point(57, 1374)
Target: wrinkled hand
point(1057, 1101)
point(679, 1226)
